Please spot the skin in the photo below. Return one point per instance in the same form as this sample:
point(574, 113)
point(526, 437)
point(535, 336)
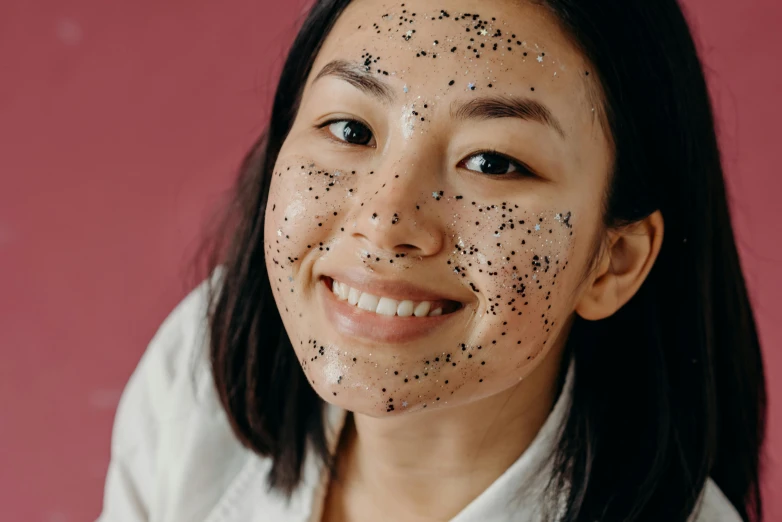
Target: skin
point(437, 420)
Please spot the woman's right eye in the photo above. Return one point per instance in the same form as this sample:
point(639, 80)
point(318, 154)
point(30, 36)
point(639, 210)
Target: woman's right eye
point(351, 131)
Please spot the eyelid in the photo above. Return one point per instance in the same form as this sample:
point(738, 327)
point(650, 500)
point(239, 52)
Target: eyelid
point(340, 119)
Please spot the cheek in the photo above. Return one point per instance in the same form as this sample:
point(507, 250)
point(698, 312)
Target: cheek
point(514, 259)
point(517, 260)
point(305, 203)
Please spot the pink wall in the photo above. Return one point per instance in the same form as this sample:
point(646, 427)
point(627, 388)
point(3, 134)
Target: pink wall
point(121, 122)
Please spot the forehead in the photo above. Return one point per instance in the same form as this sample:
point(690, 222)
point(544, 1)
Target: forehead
point(488, 47)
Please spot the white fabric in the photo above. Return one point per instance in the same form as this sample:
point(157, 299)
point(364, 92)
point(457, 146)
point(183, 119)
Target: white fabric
point(174, 457)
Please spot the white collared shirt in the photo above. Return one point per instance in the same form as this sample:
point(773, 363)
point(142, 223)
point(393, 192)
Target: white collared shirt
point(174, 457)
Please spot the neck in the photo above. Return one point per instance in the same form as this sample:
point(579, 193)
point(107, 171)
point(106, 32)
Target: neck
point(431, 465)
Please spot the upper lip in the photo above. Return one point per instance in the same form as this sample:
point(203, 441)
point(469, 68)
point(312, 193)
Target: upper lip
point(396, 289)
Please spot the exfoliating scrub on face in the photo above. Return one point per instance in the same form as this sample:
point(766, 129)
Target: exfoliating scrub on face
point(424, 208)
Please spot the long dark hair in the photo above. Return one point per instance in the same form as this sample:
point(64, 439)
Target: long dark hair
point(669, 390)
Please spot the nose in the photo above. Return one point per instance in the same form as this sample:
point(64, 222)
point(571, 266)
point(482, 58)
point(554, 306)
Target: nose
point(394, 218)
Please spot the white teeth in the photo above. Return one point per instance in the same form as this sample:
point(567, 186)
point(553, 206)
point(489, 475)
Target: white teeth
point(344, 290)
point(386, 306)
point(340, 290)
point(353, 296)
point(422, 309)
point(405, 308)
point(367, 302)
point(383, 305)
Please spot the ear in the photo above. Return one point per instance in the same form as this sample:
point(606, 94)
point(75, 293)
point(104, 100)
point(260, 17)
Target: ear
point(623, 264)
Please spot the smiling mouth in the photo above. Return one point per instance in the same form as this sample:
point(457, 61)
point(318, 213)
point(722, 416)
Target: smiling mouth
point(385, 306)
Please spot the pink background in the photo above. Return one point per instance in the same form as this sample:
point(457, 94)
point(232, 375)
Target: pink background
point(122, 122)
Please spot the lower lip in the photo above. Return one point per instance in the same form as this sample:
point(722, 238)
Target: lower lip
point(352, 321)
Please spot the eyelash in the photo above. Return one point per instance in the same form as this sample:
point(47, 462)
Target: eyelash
point(523, 171)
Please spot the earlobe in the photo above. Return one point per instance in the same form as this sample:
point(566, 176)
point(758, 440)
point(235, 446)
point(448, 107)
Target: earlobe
point(622, 267)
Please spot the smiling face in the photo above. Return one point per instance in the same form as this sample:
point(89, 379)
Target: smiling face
point(440, 157)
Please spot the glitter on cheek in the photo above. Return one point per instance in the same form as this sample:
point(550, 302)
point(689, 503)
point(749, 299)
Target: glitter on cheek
point(407, 121)
point(295, 210)
point(301, 194)
point(333, 369)
point(515, 266)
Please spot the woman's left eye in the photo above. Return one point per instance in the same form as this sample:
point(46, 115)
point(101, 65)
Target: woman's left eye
point(494, 164)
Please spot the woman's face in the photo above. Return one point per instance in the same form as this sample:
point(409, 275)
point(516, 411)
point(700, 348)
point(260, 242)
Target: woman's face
point(440, 162)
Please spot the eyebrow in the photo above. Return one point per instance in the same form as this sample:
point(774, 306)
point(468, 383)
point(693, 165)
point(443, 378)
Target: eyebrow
point(495, 107)
point(483, 108)
point(359, 77)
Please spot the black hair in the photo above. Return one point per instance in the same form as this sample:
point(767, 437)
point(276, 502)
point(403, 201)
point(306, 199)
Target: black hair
point(669, 391)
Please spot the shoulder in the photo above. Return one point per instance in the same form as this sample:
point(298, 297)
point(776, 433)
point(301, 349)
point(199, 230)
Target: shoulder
point(714, 506)
point(171, 355)
point(179, 350)
point(170, 427)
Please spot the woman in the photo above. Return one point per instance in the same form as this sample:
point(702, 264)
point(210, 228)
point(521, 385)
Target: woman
point(447, 296)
